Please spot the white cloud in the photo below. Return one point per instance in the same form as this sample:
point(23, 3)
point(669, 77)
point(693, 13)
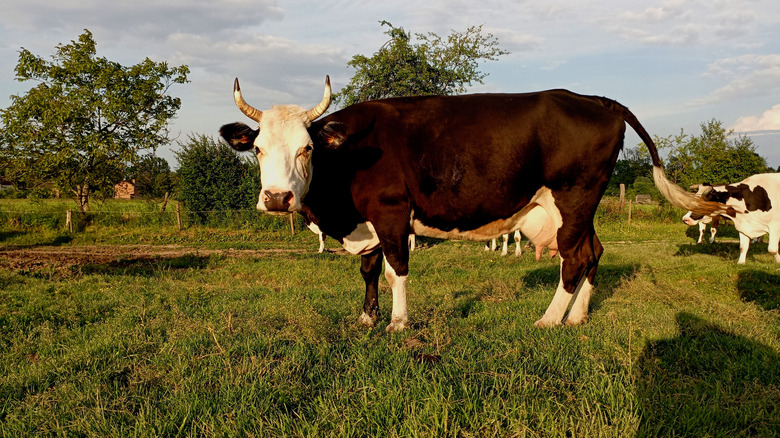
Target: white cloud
point(768, 121)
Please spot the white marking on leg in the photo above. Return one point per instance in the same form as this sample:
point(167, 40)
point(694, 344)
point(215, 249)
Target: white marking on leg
point(702, 229)
point(578, 314)
point(774, 242)
point(744, 244)
point(505, 245)
point(399, 316)
point(412, 242)
point(518, 251)
point(553, 316)
point(322, 243)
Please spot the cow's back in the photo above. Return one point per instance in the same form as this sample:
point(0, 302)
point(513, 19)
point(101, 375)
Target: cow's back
point(468, 160)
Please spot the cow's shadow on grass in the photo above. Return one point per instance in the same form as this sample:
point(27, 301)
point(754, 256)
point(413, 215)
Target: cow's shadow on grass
point(760, 287)
point(608, 278)
point(707, 382)
point(723, 250)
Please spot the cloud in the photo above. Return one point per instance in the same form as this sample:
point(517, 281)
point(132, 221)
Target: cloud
point(745, 76)
point(769, 120)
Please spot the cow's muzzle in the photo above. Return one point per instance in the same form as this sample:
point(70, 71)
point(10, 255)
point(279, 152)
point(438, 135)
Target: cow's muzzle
point(277, 201)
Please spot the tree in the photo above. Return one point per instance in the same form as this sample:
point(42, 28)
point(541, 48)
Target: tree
point(714, 156)
point(634, 163)
point(152, 175)
point(212, 177)
point(87, 118)
point(433, 66)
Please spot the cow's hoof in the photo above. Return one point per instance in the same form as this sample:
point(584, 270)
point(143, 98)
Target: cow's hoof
point(396, 326)
point(368, 320)
point(577, 321)
point(546, 323)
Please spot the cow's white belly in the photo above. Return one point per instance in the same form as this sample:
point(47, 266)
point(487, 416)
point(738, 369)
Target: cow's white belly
point(753, 224)
point(539, 221)
point(362, 240)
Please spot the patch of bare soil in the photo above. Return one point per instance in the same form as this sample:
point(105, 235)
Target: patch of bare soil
point(65, 259)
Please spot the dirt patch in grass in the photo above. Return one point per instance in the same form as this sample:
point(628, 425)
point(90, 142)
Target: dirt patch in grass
point(66, 258)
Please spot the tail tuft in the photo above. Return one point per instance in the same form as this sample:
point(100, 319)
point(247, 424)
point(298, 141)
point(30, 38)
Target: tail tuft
point(687, 200)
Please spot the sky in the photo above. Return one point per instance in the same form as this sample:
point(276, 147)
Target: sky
point(675, 63)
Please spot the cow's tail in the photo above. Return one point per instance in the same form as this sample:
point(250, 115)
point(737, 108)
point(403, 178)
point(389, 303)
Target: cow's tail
point(676, 195)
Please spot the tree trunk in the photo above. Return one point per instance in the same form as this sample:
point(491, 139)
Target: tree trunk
point(82, 197)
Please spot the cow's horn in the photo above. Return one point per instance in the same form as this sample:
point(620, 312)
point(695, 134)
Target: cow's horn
point(320, 109)
point(250, 111)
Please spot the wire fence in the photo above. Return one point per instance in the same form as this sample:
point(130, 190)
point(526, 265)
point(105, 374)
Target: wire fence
point(74, 220)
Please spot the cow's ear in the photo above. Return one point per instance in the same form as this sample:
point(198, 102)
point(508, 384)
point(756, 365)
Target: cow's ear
point(239, 136)
point(333, 134)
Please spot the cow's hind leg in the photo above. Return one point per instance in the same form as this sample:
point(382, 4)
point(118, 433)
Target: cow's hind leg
point(553, 316)
point(578, 269)
point(579, 309)
point(371, 269)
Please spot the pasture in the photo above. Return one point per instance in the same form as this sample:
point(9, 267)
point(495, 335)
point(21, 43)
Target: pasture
point(144, 330)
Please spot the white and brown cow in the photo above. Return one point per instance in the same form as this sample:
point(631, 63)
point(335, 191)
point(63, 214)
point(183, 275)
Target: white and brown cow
point(753, 207)
point(493, 244)
point(692, 218)
point(454, 167)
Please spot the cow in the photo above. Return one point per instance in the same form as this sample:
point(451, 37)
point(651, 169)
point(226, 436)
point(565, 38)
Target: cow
point(493, 243)
point(692, 218)
point(469, 167)
point(753, 207)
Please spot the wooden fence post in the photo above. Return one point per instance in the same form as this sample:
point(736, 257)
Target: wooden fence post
point(69, 220)
point(629, 211)
point(178, 215)
point(622, 195)
point(292, 223)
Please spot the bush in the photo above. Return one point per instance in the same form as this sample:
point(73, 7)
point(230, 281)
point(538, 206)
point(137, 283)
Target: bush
point(213, 179)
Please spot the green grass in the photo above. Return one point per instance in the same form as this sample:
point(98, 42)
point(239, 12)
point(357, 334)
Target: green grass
point(681, 341)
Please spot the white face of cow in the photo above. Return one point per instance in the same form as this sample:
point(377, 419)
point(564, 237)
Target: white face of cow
point(283, 148)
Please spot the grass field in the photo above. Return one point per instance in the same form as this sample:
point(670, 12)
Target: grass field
point(147, 331)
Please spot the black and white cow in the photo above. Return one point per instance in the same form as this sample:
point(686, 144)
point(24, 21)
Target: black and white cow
point(753, 207)
point(454, 167)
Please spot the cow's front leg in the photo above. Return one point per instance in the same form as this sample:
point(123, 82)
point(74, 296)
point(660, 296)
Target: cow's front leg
point(400, 315)
point(744, 244)
point(370, 269)
point(774, 241)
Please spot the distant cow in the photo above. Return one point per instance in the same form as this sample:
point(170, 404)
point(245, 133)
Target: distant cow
point(692, 218)
point(753, 206)
point(491, 246)
point(453, 167)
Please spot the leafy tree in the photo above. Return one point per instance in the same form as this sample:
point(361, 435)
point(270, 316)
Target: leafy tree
point(433, 66)
point(634, 163)
point(86, 119)
point(713, 156)
point(212, 177)
point(152, 175)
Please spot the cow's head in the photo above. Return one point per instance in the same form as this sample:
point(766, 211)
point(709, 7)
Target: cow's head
point(283, 148)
